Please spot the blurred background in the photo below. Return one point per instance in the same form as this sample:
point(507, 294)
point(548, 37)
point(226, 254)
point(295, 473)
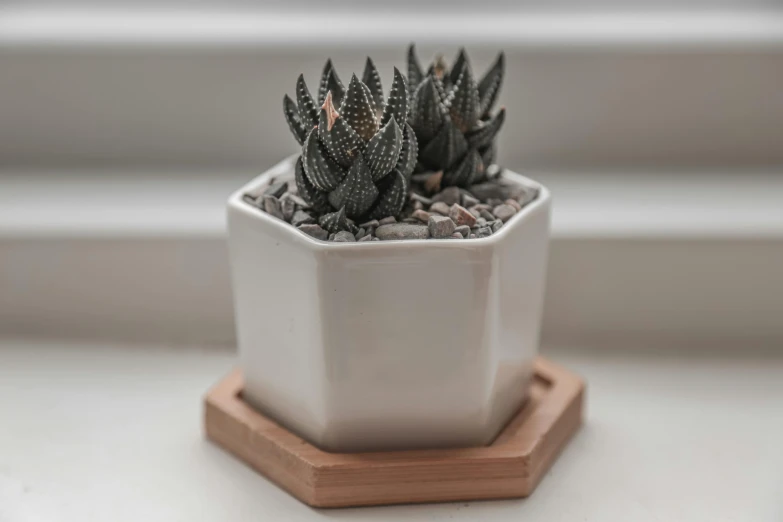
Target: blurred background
point(125, 125)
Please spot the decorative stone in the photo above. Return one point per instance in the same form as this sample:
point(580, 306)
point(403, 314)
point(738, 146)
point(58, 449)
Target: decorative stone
point(480, 222)
point(463, 229)
point(494, 202)
point(411, 220)
point(272, 207)
point(461, 216)
point(314, 231)
point(418, 205)
point(496, 225)
point(301, 218)
point(387, 220)
point(288, 207)
point(440, 207)
point(421, 215)
point(449, 196)
point(276, 189)
point(250, 200)
point(375, 239)
point(476, 213)
point(344, 237)
point(432, 184)
point(360, 233)
point(441, 227)
point(514, 203)
point(370, 224)
point(484, 232)
point(468, 200)
point(486, 214)
point(296, 199)
point(504, 212)
point(472, 236)
point(456, 235)
point(397, 231)
point(366, 238)
point(422, 199)
point(524, 195)
point(489, 190)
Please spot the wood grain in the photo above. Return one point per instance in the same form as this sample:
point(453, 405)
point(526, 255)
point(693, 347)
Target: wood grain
point(510, 467)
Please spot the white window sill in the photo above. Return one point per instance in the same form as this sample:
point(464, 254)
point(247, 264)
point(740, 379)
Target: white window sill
point(97, 433)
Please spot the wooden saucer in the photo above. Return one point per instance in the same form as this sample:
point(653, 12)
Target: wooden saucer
point(510, 467)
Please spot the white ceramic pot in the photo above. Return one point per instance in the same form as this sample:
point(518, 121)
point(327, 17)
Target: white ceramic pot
point(387, 344)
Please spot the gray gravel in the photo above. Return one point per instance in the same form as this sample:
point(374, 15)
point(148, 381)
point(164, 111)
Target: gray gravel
point(439, 207)
point(387, 220)
point(402, 231)
point(461, 216)
point(441, 227)
point(344, 237)
point(272, 207)
point(504, 212)
point(315, 231)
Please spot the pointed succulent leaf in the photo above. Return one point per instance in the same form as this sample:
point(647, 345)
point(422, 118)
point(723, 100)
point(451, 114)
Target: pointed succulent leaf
point(372, 80)
point(488, 155)
point(316, 199)
point(393, 190)
point(340, 140)
point(464, 108)
point(486, 132)
point(321, 170)
point(415, 75)
point(358, 111)
point(323, 85)
point(397, 104)
point(308, 112)
point(357, 193)
point(440, 69)
point(426, 112)
point(294, 121)
point(445, 148)
point(334, 222)
point(330, 82)
point(383, 150)
point(489, 86)
point(459, 63)
point(409, 153)
point(466, 172)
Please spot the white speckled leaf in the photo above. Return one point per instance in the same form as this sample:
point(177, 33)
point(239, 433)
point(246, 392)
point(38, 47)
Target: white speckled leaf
point(464, 106)
point(321, 170)
point(485, 134)
point(372, 80)
point(291, 113)
point(466, 172)
point(308, 112)
point(489, 86)
point(357, 109)
point(445, 149)
point(393, 193)
point(316, 199)
point(340, 140)
point(426, 111)
point(397, 103)
point(383, 150)
point(357, 193)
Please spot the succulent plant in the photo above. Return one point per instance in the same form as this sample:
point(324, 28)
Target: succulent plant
point(451, 116)
point(358, 151)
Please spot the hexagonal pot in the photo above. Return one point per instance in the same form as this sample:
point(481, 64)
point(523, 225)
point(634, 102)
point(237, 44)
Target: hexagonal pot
point(387, 344)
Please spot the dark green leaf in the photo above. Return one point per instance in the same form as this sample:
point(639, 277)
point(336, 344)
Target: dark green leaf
point(340, 140)
point(358, 111)
point(464, 107)
point(308, 112)
point(330, 82)
point(316, 199)
point(409, 153)
point(459, 63)
point(489, 86)
point(383, 150)
point(466, 172)
point(488, 155)
point(321, 170)
point(415, 76)
point(397, 104)
point(486, 132)
point(426, 111)
point(294, 121)
point(445, 149)
point(334, 222)
point(393, 192)
point(372, 80)
point(357, 192)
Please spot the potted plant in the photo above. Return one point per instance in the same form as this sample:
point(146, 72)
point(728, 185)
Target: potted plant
point(388, 280)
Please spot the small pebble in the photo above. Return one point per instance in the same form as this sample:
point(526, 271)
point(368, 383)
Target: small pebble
point(366, 238)
point(418, 205)
point(375, 239)
point(410, 220)
point(463, 229)
point(476, 213)
point(494, 202)
point(441, 227)
point(276, 189)
point(301, 218)
point(456, 235)
point(489, 190)
point(296, 199)
point(472, 236)
point(288, 207)
point(247, 198)
point(480, 222)
point(344, 237)
point(496, 225)
point(468, 200)
point(370, 224)
point(421, 215)
point(440, 207)
point(387, 220)
point(484, 232)
point(272, 207)
point(449, 196)
point(514, 203)
point(314, 231)
point(461, 216)
point(394, 231)
point(504, 212)
point(332, 235)
point(360, 233)
point(486, 214)
point(421, 199)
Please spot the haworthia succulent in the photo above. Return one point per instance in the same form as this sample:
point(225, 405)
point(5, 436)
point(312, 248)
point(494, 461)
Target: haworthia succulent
point(357, 192)
point(426, 117)
point(397, 104)
point(383, 150)
point(415, 75)
point(372, 80)
point(466, 172)
point(321, 170)
point(340, 140)
point(358, 111)
point(464, 109)
point(459, 63)
point(334, 222)
point(393, 193)
point(445, 148)
point(317, 200)
point(409, 153)
point(291, 113)
point(485, 134)
point(489, 86)
point(308, 112)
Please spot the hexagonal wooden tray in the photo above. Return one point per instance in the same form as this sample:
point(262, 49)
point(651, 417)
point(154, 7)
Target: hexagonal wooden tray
point(510, 467)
